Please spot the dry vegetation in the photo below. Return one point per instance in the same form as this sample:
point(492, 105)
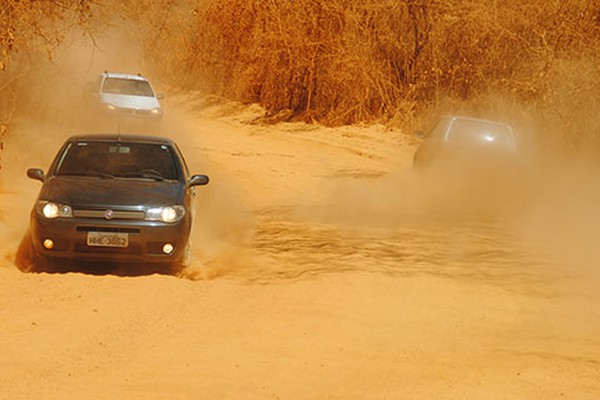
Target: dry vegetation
point(28, 24)
point(348, 61)
point(30, 30)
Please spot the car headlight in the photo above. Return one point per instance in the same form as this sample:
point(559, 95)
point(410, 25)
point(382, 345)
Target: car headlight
point(156, 111)
point(165, 214)
point(111, 107)
point(51, 210)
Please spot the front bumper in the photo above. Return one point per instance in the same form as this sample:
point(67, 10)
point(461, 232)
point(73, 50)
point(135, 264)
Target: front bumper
point(145, 239)
point(121, 112)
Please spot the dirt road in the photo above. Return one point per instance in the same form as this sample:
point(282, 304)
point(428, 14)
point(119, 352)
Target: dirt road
point(324, 270)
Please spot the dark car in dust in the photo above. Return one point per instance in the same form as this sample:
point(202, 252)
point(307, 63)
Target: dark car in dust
point(122, 199)
point(473, 143)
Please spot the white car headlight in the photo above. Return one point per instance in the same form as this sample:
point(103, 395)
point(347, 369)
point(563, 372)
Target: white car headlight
point(165, 214)
point(111, 107)
point(156, 111)
point(53, 210)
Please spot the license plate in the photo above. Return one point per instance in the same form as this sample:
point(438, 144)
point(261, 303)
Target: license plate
point(107, 239)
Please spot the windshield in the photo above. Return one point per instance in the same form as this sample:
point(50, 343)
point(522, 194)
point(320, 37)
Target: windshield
point(134, 87)
point(471, 130)
point(118, 160)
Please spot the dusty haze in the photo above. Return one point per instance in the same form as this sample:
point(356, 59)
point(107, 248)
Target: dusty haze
point(324, 268)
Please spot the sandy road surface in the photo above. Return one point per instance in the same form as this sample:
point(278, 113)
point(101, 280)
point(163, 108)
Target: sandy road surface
point(324, 270)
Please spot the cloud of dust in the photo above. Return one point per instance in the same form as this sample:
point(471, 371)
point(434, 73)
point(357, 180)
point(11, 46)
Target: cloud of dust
point(221, 232)
point(550, 204)
point(223, 225)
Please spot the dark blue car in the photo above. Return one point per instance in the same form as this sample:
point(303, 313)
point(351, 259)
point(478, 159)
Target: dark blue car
point(112, 199)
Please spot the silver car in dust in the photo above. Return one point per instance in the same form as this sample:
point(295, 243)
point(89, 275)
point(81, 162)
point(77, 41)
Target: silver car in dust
point(467, 142)
point(126, 96)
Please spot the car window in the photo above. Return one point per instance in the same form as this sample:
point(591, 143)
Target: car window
point(134, 87)
point(182, 158)
point(439, 130)
point(118, 159)
point(471, 130)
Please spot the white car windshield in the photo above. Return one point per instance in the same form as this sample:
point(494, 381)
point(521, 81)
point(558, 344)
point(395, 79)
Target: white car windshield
point(471, 130)
point(125, 86)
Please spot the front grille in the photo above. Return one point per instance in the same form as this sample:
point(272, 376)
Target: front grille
point(134, 112)
point(141, 112)
point(116, 214)
point(133, 248)
point(107, 229)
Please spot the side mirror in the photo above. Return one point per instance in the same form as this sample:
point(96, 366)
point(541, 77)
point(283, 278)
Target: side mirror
point(36, 173)
point(198, 180)
point(160, 96)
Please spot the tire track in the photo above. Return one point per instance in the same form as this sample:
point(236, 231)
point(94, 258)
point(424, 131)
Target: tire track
point(290, 248)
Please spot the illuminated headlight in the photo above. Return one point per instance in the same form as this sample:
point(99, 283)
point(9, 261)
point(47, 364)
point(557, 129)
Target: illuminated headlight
point(165, 214)
point(53, 210)
point(111, 107)
point(168, 248)
point(156, 111)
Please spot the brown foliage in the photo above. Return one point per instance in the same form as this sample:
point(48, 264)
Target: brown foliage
point(28, 27)
point(338, 61)
point(28, 23)
point(345, 61)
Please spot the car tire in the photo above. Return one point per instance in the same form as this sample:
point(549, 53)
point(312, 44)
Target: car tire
point(178, 268)
point(27, 259)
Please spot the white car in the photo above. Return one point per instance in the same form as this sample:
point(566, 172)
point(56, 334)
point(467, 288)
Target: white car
point(126, 96)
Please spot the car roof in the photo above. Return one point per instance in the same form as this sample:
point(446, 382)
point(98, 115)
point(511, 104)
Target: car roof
point(114, 137)
point(466, 118)
point(137, 77)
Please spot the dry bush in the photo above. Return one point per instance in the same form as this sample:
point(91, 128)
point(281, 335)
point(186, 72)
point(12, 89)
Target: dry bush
point(345, 61)
point(335, 61)
point(27, 24)
point(510, 46)
point(540, 56)
point(162, 28)
point(28, 29)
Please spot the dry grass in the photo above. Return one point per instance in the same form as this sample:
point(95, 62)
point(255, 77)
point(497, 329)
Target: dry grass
point(30, 30)
point(347, 61)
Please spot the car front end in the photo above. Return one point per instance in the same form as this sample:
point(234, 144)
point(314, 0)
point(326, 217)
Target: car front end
point(129, 98)
point(111, 234)
point(130, 106)
point(112, 199)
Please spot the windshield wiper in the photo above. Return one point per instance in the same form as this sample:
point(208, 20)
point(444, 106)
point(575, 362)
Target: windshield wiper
point(146, 174)
point(95, 174)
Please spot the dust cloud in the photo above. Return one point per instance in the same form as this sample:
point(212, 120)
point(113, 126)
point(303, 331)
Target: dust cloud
point(541, 223)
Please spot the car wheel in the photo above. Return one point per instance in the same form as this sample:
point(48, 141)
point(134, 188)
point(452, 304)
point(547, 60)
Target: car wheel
point(186, 261)
point(27, 259)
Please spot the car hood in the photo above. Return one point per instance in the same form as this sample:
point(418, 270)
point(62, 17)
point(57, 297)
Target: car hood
point(81, 192)
point(130, 101)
